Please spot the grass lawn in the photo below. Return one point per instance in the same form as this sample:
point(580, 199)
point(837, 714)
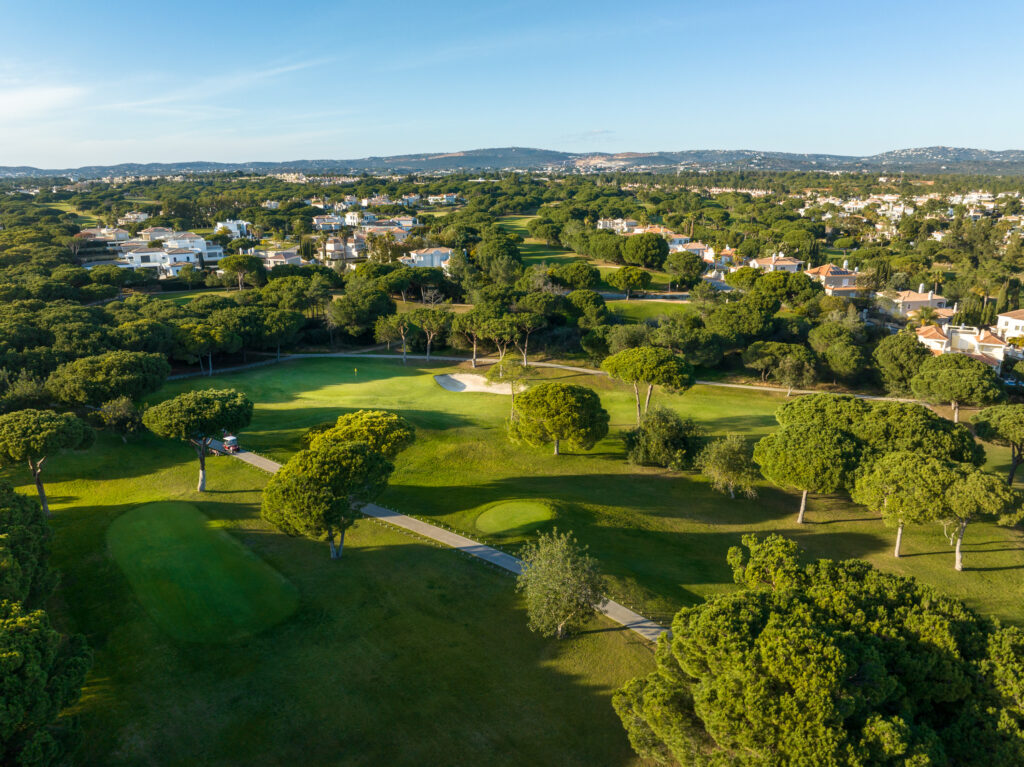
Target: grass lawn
point(81, 218)
point(661, 536)
point(636, 310)
point(197, 582)
point(514, 517)
point(535, 252)
point(402, 653)
point(182, 297)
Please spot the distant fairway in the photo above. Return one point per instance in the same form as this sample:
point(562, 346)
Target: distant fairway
point(199, 584)
point(514, 517)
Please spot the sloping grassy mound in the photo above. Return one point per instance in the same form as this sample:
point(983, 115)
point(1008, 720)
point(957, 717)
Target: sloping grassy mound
point(514, 517)
point(199, 584)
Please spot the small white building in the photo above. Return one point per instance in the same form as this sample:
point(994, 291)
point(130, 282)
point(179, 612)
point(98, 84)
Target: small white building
point(979, 343)
point(237, 229)
point(155, 233)
point(448, 198)
point(345, 250)
point(904, 302)
point(328, 223)
point(433, 257)
point(271, 204)
point(777, 262)
point(133, 217)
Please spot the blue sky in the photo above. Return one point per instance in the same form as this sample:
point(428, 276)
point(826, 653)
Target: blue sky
point(100, 83)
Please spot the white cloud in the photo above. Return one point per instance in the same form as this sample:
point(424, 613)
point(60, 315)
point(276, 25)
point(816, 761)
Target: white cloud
point(32, 102)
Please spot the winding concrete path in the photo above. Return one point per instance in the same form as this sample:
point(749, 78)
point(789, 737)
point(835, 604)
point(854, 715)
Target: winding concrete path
point(622, 615)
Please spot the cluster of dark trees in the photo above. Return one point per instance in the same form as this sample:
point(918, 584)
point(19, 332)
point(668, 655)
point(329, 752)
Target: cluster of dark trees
point(899, 459)
point(43, 669)
point(828, 663)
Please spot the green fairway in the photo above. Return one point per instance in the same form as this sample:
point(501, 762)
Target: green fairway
point(399, 636)
point(198, 583)
point(661, 536)
point(402, 636)
point(642, 311)
point(514, 517)
point(83, 219)
point(182, 297)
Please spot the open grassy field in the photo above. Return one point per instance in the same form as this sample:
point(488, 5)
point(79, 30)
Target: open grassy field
point(536, 252)
point(403, 653)
point(636, 310)
point(661, 536)
point(182, 297)
point(197, 582)
point(82, 218)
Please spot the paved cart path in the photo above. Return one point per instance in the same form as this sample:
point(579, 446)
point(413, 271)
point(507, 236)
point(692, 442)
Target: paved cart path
point(622, 615)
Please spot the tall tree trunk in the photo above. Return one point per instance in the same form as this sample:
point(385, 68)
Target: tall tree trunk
point(428, 348)
point(647, 402)
point(636, 395)
point(899, 540)
point(209, 364)
point(1015, 456)
point(526, 345)
point(560, 631)
point(341, 543)
point(556, 445)
point(201, 452)
point(803, 508)
point(732, 492)
point(37, 476)
point(474, 351)
point(405, 349)
point(959, 565)
point(956, 411)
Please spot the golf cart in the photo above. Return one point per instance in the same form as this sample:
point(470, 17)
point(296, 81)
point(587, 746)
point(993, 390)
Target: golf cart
point(231, 444)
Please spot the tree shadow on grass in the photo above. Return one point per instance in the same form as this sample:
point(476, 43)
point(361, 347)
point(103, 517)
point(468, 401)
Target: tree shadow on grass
point(416, 623)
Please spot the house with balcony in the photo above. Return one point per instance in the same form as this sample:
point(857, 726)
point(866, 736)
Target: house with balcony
point(902, 303)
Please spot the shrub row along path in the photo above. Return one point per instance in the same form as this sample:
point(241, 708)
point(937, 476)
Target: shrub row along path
point(622, 615)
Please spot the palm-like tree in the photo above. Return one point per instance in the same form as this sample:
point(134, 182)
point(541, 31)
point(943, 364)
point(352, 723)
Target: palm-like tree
point(927, 315)
point(936, 277)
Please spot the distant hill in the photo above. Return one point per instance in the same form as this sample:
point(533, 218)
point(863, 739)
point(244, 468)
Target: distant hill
point(936, 159)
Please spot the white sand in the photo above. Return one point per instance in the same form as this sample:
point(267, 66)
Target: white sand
point(471, 382)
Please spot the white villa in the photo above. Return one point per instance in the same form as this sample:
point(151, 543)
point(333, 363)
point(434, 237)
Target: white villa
point(133, 217)
point(435, 257)
point(328, 223)
point(235, 228)
point(904, 302)
point(776, 263)
point(979, 343)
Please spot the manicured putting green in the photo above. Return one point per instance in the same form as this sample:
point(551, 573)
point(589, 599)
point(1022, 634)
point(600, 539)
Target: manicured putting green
point(514, 517)
point(198, 583)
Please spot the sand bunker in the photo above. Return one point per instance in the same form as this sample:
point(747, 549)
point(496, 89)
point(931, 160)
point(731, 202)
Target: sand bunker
point(471, 382)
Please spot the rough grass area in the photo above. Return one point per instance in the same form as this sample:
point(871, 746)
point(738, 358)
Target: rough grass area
point(514, 517)
point(197, 582)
